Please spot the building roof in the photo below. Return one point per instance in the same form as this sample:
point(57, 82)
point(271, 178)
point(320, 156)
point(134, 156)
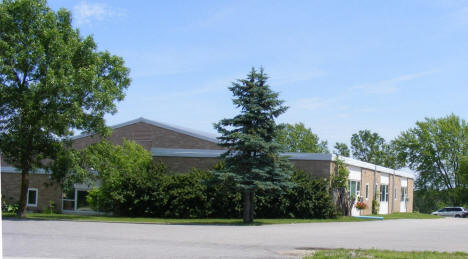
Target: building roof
point(174, 152)
point(182, 130)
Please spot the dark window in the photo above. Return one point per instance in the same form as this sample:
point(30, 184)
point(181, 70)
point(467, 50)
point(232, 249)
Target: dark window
point(367, 191)
point(32, 197)
point(81, 199)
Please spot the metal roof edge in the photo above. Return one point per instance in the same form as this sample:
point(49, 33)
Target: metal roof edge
point(378, 168)
point(181, 152)
point(14, 170)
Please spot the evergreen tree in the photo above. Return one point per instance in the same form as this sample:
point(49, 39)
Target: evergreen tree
point(252, 159)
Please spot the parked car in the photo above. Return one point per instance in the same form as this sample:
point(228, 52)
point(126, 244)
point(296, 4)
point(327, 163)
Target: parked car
point(457, 212)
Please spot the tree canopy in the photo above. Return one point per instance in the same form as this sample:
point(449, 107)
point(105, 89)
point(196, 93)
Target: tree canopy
point(298, 138)
point(437, 150)
point(252, 158)
point(370, 147)
point(342, 149)
point(53, 81)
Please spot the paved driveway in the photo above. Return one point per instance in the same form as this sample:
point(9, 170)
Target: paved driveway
point(67, 239)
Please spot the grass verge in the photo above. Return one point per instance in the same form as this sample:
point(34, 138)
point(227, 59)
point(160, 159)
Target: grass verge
point(382, 254)
point(414, 215)
point(210, 221)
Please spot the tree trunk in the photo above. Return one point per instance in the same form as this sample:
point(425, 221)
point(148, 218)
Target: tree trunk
point(342, 200)
point(24, 193)
point(248, 206)
point(252, 205)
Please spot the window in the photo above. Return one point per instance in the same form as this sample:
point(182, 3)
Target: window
point(403, 194)
point(358, 189)
point(384, 193)
point(367, 191)
point(32, 197)
point(394, 194)
point(354, 188)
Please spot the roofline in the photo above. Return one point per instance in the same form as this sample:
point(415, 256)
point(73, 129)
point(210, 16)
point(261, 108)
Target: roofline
point(180, 130)
point(214, 153)
point(14, 170)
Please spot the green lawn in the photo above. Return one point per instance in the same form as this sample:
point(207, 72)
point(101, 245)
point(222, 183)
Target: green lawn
point(382, 254)
point(43, 216)
point(413, 215)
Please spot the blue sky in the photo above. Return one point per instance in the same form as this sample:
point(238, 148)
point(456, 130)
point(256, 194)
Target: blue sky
point(340, 66)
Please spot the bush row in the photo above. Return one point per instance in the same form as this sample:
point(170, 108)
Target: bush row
point(199, 194)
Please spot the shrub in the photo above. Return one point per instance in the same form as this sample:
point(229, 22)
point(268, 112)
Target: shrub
point(310, 198)
point(8, 207)
point(375, 207)
point(50, 207)
point(131, 185)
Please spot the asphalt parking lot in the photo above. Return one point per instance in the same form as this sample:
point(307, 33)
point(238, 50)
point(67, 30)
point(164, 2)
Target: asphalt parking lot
point(68, 239)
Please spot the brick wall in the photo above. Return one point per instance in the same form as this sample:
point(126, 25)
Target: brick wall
point(47, 190)
point(409, 204)
point(314, 167)
point(397, 185)
point(149, 136)
point(186, 164)
point(367, 177)
point(390, 193)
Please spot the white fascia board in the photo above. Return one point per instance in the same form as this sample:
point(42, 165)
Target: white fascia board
point(14, 170)
point(189, 132)
point(308, 156)
point(176, 152)
point(355, 162)
point(179, 152)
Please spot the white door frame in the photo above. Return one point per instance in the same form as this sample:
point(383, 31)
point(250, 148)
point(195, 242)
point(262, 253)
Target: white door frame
point(404, 184)
point(384, 180)
point(355, 176)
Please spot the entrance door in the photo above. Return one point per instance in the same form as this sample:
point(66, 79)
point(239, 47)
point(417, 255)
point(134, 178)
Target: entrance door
point(355, 192)
point(404, 195)
point(354, 187)
point(383, 208)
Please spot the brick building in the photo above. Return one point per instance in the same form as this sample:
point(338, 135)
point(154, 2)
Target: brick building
point(183, 149)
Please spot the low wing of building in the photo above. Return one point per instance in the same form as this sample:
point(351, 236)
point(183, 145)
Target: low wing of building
point(183, 149)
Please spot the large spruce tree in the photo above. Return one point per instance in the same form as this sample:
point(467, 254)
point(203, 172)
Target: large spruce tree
point(253, 158)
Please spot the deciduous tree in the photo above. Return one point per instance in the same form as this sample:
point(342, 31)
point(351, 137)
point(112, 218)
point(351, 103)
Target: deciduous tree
point(52, 81)
point(368, 146)
point(298, 138)
point(437, 149)
point(342, 149)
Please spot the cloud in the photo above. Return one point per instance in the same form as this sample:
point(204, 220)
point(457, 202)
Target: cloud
point(390, 86)
point(85, 12)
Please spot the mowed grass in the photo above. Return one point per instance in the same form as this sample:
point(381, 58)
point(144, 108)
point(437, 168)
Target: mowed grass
point(382, 254)
point(206, 221)
point(413, 215)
